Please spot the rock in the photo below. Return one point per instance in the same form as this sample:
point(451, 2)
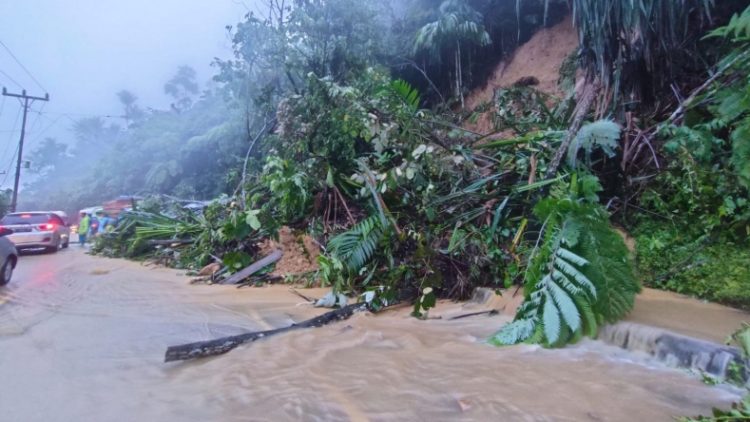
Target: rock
point(464, 404)
point(210, 269)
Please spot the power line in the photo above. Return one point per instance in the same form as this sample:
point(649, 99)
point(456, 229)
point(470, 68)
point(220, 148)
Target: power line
point(43, 131)
point(22, 66)
point(33, 126)
point(10, 138)
point(10, 165)
point(11, 79)
point(105, 116)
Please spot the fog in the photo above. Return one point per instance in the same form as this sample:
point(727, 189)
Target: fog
point(82, 52)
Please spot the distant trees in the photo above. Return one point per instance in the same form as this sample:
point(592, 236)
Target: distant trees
point(182, 88)
point(48, 156)
point(133, 113)
point(93, 137)
point(457, 24)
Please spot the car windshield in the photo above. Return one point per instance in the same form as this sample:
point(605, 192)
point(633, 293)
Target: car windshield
point(21, 218)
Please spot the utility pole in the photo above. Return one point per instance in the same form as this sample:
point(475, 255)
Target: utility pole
point(26, 104)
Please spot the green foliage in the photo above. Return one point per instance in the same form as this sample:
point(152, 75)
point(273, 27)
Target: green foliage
point(708, 267)
point(458, 22)
point(737, 29)
point(407, 92)
point(738, 413)
point(5, 200)
point(331, 272)
point(604, 134)
point(638, 46)
point(579, 274)
point(236, 261)
point(289, 188)
point(704, 189)
point(525, 109)
point(356, 246)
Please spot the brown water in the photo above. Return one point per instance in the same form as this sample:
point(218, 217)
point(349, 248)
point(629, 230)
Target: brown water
point(83, 339)
point(691, 317)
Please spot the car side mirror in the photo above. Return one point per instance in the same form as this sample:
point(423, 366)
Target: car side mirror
point(4, 231)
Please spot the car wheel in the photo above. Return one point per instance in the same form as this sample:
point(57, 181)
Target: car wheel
point(6, 272)
point(53, 249)
point(66, 244)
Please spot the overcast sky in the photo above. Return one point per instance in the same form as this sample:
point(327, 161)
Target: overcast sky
point(83, 51)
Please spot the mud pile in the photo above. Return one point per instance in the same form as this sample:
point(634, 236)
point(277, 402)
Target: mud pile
point(300, 253)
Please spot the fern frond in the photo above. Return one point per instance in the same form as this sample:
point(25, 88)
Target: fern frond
point(514, 332)
point(566, 306)
point(551, 319)
point(579, 275)
point(570, 270)
point(570, 256)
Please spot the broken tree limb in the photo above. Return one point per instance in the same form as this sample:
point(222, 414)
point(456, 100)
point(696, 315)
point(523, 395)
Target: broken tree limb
point(582, 109)
point(491, 312)
point(308, 299)
point(257, 281)
point(223, 345)
point(254, 268)
point(684, 105)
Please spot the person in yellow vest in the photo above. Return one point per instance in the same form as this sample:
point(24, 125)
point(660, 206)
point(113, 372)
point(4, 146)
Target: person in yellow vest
point(83, 228)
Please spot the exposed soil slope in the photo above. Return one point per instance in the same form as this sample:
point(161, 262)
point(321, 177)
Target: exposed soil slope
point(540, 58)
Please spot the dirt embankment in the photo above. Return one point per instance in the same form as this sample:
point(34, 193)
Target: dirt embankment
point(540, 58)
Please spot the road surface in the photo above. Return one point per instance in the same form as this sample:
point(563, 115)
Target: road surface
point(82, 339)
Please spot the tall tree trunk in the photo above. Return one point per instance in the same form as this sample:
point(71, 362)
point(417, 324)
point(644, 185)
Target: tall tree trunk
point(460, 74)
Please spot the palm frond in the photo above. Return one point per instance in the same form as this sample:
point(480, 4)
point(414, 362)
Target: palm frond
point(408, 93)
point(356, 246)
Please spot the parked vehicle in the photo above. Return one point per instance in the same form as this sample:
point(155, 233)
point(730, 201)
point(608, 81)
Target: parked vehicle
point(38, 229)
point(8, 256)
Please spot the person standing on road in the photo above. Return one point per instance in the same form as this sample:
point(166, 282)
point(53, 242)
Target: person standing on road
point(104, 222)
point(83, 228)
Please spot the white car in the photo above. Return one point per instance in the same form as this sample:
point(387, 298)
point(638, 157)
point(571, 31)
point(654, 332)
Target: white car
point(38, 229)
point(8, 257)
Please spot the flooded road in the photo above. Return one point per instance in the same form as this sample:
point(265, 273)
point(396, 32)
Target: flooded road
point(83, 338)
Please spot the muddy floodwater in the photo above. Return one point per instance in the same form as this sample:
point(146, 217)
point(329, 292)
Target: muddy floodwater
point(83, 339)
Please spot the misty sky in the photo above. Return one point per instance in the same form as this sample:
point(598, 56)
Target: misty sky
point(84, 51)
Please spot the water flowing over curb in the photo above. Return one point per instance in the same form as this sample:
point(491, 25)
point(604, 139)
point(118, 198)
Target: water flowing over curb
point(674, 349)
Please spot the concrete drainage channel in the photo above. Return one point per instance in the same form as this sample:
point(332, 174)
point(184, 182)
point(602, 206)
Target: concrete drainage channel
point(673, 349)
point(676, 350)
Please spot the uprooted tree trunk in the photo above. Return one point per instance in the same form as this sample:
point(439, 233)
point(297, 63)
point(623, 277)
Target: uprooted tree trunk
point(223, 345)
point(582, 109)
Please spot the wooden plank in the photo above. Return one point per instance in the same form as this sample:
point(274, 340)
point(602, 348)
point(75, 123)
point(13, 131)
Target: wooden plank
point(254, 268)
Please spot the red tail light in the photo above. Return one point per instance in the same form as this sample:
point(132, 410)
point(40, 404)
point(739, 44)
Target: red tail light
point(47, 227)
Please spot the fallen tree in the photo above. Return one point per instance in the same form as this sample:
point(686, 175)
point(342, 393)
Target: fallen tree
point(223, 345)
